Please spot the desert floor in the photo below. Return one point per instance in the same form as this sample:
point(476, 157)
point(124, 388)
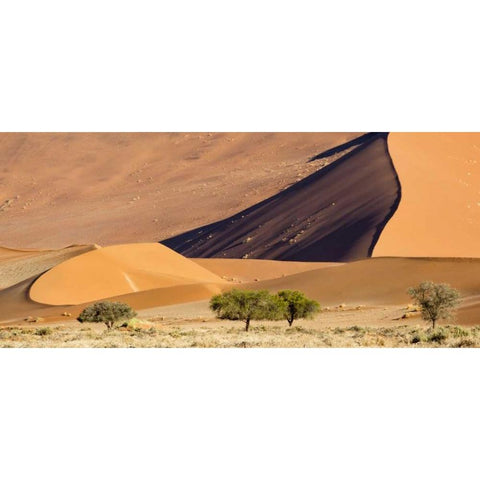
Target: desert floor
point(214, 334)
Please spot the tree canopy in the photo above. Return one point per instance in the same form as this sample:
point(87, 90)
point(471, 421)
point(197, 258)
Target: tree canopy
point(436, 300)
point(297, 305)
point(106, 312)
point(247, 305)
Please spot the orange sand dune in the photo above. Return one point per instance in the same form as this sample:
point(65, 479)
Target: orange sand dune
point(18, 265)
point(109, 188)
point(249, 270)
point(117, 270)
point(439, 211)
point(170, 295)
point(376, 281)
point(383, 281)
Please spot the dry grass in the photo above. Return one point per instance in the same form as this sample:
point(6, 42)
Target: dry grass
point(231, 334)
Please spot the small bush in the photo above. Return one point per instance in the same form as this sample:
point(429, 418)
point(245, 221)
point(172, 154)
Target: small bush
point(438, 335)
point(43, 331)
point(107, 312)
point(465, 343)
point(458, 332)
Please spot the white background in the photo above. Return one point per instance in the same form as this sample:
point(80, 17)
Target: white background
point(249, 66)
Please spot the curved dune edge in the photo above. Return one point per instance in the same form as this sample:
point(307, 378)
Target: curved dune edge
point(117, 270)
point(439, 213)
point(334, 215)
point(17, 265)
point(90, 185)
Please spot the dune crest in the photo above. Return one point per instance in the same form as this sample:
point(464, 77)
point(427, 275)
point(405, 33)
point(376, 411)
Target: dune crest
point(439, 213)
point(90, 185)
point(117, 270)
point(334, 215)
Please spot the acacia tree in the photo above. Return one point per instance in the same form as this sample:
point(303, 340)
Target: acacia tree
point(247, 305)
point(297, 305)
point(436, 300)
point(107, 313)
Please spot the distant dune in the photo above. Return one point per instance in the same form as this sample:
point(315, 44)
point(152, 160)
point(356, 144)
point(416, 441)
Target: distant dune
point(439, 213)
point(384, 281)
point(117, 270)
point(60, 189)
point(247, 270)
point(18, 265)
point(334, 215)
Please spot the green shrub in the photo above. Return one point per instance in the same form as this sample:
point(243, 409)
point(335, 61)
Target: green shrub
point(417, 338)
point(247, 305)
point(106, 312)
point(438, 335)
point(458, 332)
point(43, 331)
point(465, 343)
point(297, 305)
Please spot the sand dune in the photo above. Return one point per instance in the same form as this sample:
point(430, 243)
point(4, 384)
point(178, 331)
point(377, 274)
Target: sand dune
point(15, 302)
point(371, 282)
point(384, 281)
point(170, 295)
point(65, 188)
point(18, 265)
point(117, 270)
point(439, 213)
point(334, 215)
point(249, 270)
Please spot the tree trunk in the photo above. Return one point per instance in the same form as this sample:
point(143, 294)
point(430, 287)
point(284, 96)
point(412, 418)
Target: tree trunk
point(433, 322)
point(247, 324)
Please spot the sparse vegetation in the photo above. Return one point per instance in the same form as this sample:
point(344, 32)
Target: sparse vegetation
point(106, 312)
point(247, 305)
point(436, 300)
point(297, 305)
point(262, 334)
point(43, 331)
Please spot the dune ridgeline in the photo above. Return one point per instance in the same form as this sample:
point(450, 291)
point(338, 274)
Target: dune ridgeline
point(347, 218)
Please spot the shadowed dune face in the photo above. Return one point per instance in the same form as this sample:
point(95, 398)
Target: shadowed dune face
point(439, 214)
point(68, 188)
point(117, 270)
point(334, 215)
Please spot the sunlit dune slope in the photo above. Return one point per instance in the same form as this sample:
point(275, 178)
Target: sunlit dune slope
point(170, 295)
point(439, 212)
point(117, 270)
point(336, 214)
point(58, 189)
point(380, 281)
point(249, 270)
point(18, 265)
